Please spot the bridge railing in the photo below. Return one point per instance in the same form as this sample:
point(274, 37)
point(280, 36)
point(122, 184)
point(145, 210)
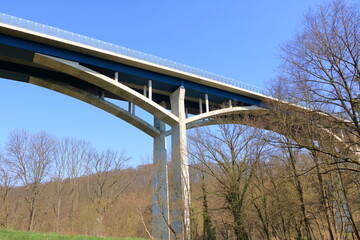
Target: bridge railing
point(66, 35)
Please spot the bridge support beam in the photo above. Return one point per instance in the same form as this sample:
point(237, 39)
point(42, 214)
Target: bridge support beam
point(180, 179)
point(160, 197)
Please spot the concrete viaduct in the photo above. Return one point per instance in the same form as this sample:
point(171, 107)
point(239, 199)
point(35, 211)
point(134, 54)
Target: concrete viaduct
point(178, 96)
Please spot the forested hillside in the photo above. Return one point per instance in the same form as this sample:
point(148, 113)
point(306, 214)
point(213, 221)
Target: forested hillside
point(242, 179)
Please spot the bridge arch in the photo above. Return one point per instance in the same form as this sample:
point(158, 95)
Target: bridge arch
point(98, 102)
point(86, 74)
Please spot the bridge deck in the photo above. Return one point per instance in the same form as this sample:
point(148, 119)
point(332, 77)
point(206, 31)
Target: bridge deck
point(18, 46)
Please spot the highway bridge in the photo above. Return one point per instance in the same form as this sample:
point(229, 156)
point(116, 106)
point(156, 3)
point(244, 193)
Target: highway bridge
point(178, 96)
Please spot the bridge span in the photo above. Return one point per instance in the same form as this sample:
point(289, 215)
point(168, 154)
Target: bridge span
point(93, 71)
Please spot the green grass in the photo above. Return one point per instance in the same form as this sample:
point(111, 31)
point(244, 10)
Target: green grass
point(14, 235)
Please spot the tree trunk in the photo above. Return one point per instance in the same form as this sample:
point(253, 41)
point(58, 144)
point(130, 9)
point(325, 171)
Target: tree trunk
point(324, 199)
point(99, 225)
point(208, 230)
point(235, 204)
point(347, 206)
point(31, 215)
point(58, 215)
point(300, 192)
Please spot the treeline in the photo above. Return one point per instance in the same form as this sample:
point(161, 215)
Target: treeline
point(68, 186)
point(246, 183)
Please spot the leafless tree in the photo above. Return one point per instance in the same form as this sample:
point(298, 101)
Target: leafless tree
point(30, 157)
point(230, 156)
point(70, 159)
point(343, 208)
point(209, 232)
point(58, 178)
point(321, 72)
point(317, 162)
point(77, 154)
point(292, 159)
point(106, 181)
point(7, 181)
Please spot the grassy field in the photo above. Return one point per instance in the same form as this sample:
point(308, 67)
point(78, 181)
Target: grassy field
point(12, 235)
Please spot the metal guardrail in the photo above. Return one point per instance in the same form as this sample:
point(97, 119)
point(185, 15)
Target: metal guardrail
point(56, 32)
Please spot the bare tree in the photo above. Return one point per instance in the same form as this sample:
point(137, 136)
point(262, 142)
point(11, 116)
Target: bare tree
point(317, 162)
point(230, 156)
point(69, 164)
point(292, 159)
point(77, 155)
point(30, 156)
point(58, 177)
point(7, 181)
point(209, 232)
point(106, 181)
point(261, 200)
point(321, 72)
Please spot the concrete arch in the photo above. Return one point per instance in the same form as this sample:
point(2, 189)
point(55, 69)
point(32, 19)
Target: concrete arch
point(106, 83)
point(209, 118)
point(97, 102)
point(223, 112)
point(214, 121)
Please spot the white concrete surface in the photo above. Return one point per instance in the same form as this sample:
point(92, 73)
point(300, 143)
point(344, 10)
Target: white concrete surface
point(180, 181)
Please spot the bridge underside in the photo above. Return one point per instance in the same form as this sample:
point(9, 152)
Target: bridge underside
point(16, 63)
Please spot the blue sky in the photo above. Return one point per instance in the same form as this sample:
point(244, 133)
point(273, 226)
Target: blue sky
point(234, 38)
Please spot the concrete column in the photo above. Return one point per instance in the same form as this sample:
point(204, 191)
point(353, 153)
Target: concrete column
point(207, 102)
point(160, 197)
point(116, 76)
point(200, 106)
point(145, 90)
point(150, 89)
point(133, 108)
point(230, 104)
point(180, 178)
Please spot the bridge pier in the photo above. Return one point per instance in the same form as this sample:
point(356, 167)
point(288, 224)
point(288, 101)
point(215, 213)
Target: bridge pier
point(180, 177)
point(180, 183)
point(160, 197)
